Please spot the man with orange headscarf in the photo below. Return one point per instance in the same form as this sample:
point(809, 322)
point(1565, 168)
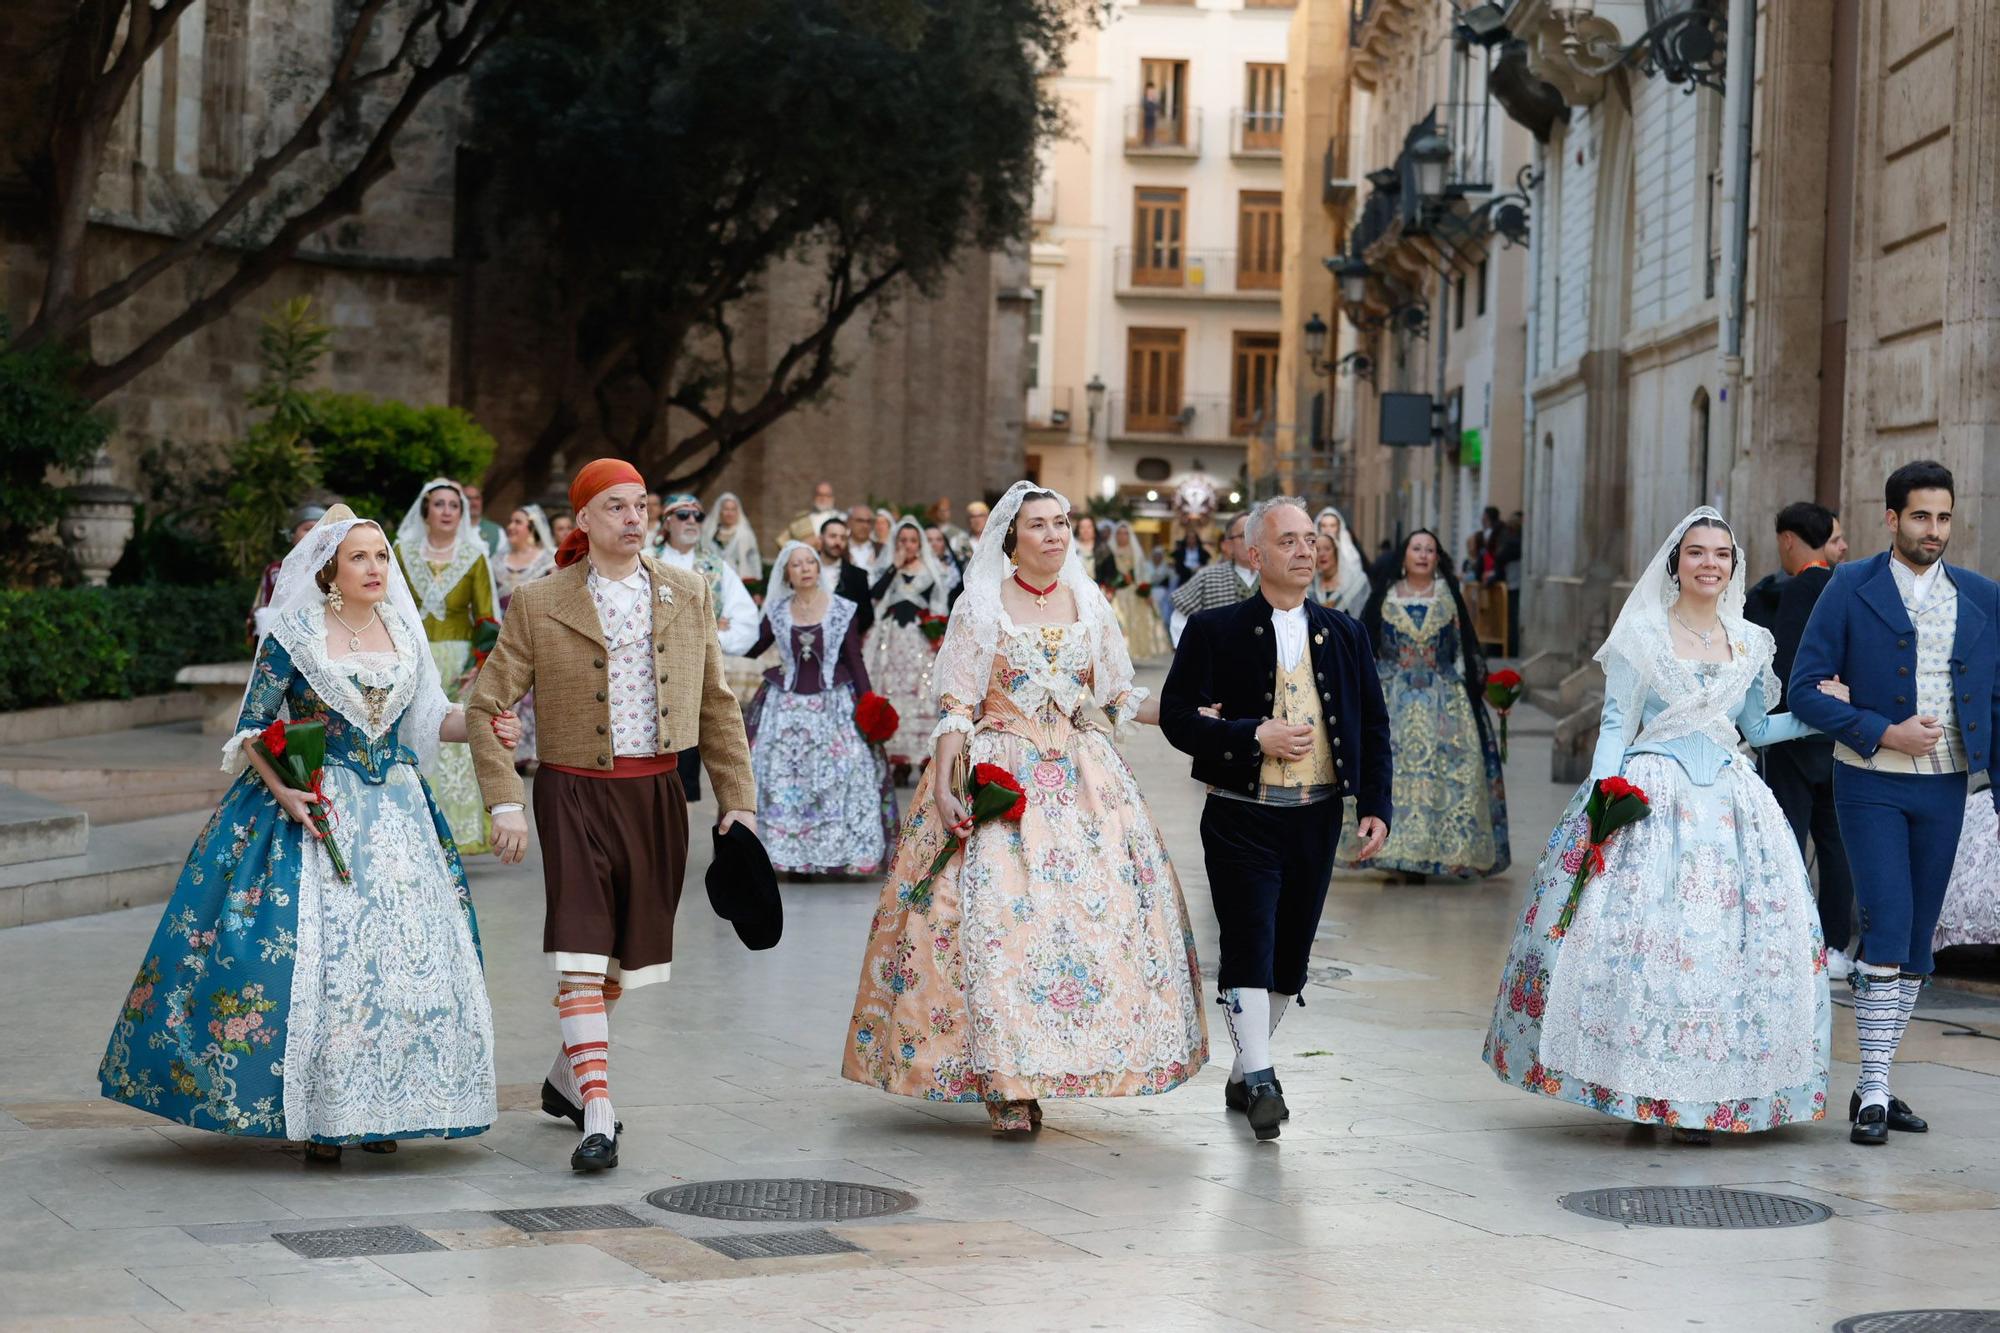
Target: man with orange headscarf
point(622, 655)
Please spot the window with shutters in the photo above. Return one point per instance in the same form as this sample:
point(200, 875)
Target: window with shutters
point(1163, 103)
point(1159, 241)
point(1263, 108)
point(1260, 248)
point(1253, 382)
point(1154, 361)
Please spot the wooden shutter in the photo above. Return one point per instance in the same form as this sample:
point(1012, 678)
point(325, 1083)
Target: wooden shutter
point(1153, 364)
point(1159, 254)
point(1263, 107)
point(1260, 252)
point(1169, 80)
point(1253, 382)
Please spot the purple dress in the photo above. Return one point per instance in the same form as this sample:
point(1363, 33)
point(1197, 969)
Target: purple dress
point(825, 801)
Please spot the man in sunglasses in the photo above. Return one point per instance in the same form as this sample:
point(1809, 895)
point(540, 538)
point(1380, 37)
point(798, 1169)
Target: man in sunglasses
point(682, 547)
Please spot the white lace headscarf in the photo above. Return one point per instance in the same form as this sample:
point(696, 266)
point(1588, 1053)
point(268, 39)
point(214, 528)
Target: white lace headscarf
point(740, 547)
point(965, 658)
point(299, 623)
point(413, 539)
point(1639, 659)
point(1351, 588)
point(545, 536)
point(778, 592)
point(941, 584)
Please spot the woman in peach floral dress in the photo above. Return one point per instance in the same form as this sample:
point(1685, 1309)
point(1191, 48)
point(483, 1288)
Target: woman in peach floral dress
point(1051, 957)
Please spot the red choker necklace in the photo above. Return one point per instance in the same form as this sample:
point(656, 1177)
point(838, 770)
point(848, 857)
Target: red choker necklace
point(1041, 595)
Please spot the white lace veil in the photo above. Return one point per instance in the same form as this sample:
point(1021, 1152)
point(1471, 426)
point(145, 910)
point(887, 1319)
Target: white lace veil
point(298, 622)
point(940, 581)
point(1639, 659)
point(965, 658)
point(545, 537)
point(1352, 586)
point(742, 538)
point(778, 590)
point(467, 548)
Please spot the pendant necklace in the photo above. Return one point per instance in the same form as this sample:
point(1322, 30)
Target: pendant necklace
point(354, 635)
point(1041, 595)
point(1707, 637)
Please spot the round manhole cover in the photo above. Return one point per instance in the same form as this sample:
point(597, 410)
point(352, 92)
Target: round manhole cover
point(1922, 1321)
point(1695, 1206)
point(781, 1200)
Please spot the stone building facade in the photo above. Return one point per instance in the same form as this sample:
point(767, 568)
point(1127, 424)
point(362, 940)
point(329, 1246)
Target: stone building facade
point(930, 404)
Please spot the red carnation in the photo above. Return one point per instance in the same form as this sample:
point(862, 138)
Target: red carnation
point(273, 737)
point(1505, 678)
point(876, 718)
point(992, 775)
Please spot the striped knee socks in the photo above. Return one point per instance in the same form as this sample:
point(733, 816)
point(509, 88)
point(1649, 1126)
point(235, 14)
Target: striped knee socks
point(561, 1077)
point(586, 1035)
point(1879, 1016)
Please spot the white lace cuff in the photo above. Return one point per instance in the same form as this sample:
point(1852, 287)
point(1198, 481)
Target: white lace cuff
point(951, 722)
point(1124, 709)
point(234, 757)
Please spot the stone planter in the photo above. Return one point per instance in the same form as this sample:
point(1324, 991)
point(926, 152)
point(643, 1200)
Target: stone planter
point(98, 522)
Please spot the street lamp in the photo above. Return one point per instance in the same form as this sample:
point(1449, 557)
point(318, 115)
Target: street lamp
point(1429, 156)
point(1685, 42)
point(1316, 342)
point(1093, 396)
point(1351, 272)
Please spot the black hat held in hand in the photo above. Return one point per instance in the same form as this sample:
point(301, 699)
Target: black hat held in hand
point(743, 889)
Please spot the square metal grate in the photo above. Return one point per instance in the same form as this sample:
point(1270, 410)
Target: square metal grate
point(1702, 1206)
point(778, 1244)
point(1922, 1321)
point(587, 1217)
point(781, 1200)
point(356, 1242)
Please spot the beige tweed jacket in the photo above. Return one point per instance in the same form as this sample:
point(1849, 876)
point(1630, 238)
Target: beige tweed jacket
point(552, 642)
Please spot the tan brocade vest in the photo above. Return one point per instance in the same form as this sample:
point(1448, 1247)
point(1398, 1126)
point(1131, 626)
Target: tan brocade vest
point(1296, 700)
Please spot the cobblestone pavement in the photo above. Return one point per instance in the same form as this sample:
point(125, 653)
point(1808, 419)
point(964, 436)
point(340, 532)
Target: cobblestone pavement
point(1410, 1190)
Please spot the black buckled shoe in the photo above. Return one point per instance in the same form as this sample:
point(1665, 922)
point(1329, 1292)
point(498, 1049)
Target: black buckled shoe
point(1871, 1127)
point(1236, 1095)
point(1266, 1110)
point(595, 1153)
point(1901, 1118)
point(562, 1108)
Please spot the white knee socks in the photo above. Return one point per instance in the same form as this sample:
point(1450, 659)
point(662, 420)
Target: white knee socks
point(586, 1034)
point(1878, 1024)
point(561, 1076)
point(1253, 1017)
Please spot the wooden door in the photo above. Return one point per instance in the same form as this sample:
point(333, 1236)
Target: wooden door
point(1253, 382)
point(1260, 243)
point(1153, 378)
point(1166, 125)
point(1159, 253)
point(1263, 107)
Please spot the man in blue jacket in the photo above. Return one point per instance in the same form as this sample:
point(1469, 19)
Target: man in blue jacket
point(1916, 640)
point(1276, 698)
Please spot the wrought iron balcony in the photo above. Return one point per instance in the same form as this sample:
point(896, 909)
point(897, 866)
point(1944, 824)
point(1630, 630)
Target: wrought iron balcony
point(1158, 132)
point(1255, 133)
point(1174, 271)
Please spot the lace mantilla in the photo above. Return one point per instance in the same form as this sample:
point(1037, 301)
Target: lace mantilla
point(833, 633)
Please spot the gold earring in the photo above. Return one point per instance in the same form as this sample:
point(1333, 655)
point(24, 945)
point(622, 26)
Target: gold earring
point(334, 599)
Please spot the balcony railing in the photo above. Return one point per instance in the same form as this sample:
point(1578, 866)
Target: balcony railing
point(1256, 133)
point(1161, 133)
point(1162, 415)
point(1050, 406)
point(1468, 127)
point(1171, 271)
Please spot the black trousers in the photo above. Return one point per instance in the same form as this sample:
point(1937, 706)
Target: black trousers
point(690, 771)
point(1268, 870)
point(1800, 775)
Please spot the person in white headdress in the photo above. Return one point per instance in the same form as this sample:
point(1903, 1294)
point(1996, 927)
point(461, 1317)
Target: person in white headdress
point(1052, 956)
point(910, 588)
point(278, 999)
point(825, 802)
point(727, 529)
point(1124, 568)
point(444, 558)
point(1350, 588)
point(1690, 988)
point(529, 553)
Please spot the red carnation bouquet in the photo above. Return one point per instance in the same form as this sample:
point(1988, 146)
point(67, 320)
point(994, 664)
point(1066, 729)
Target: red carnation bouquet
point(1503, 691)
point(298, 754)
point(1144, 590)
point(1613, 804)
point(933, 627)
point(876, 718)
point(994, 795)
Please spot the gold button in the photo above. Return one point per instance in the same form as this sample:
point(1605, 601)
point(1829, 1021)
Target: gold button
point(663, 712)
point(602, 762)
point(663, 678)
point(1260, 629)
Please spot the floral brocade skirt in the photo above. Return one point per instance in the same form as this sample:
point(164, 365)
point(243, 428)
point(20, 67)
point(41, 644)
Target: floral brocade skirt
point(1690, 988)
point(1145, 633)
point(1050, 958)
point(899, 666)
point(1450, 798)
point(825, 800)
point(451, 775)
point(1971, 912)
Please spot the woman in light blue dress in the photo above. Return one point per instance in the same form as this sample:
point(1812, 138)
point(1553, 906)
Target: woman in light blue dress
point(1690, 988)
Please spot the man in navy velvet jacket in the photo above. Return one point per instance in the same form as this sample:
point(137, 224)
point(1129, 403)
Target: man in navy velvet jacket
point(1916, 640)
point(1277, 700)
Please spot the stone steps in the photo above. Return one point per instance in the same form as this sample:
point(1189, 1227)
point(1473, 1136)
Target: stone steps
point(33, 828)
point(120, 795)
point(124, 865)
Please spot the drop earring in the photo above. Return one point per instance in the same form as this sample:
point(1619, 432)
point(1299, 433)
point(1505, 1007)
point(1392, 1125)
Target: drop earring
point(334, 599)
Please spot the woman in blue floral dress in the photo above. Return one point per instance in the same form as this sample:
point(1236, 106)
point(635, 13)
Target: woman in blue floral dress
point(278, 1000)
point(1689, 989)
point(1451, 800)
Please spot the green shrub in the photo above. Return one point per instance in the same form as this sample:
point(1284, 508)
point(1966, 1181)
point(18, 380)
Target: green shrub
point(44, 423)
point(67, 645)
point(377, 453)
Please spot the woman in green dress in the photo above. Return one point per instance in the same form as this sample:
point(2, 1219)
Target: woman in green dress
point(445, 562)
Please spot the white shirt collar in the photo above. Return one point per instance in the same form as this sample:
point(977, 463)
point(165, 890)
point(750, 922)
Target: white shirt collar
point(679, 559)
point(636, 579)
point(1916, 588)
point(1290, 627)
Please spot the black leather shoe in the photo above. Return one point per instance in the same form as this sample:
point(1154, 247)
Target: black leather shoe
point(1236, 1095)
point(1266, 1110)
point(595, 1153)
point(555, 1104)
point(1901, 1118)
point(1871, 1127)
